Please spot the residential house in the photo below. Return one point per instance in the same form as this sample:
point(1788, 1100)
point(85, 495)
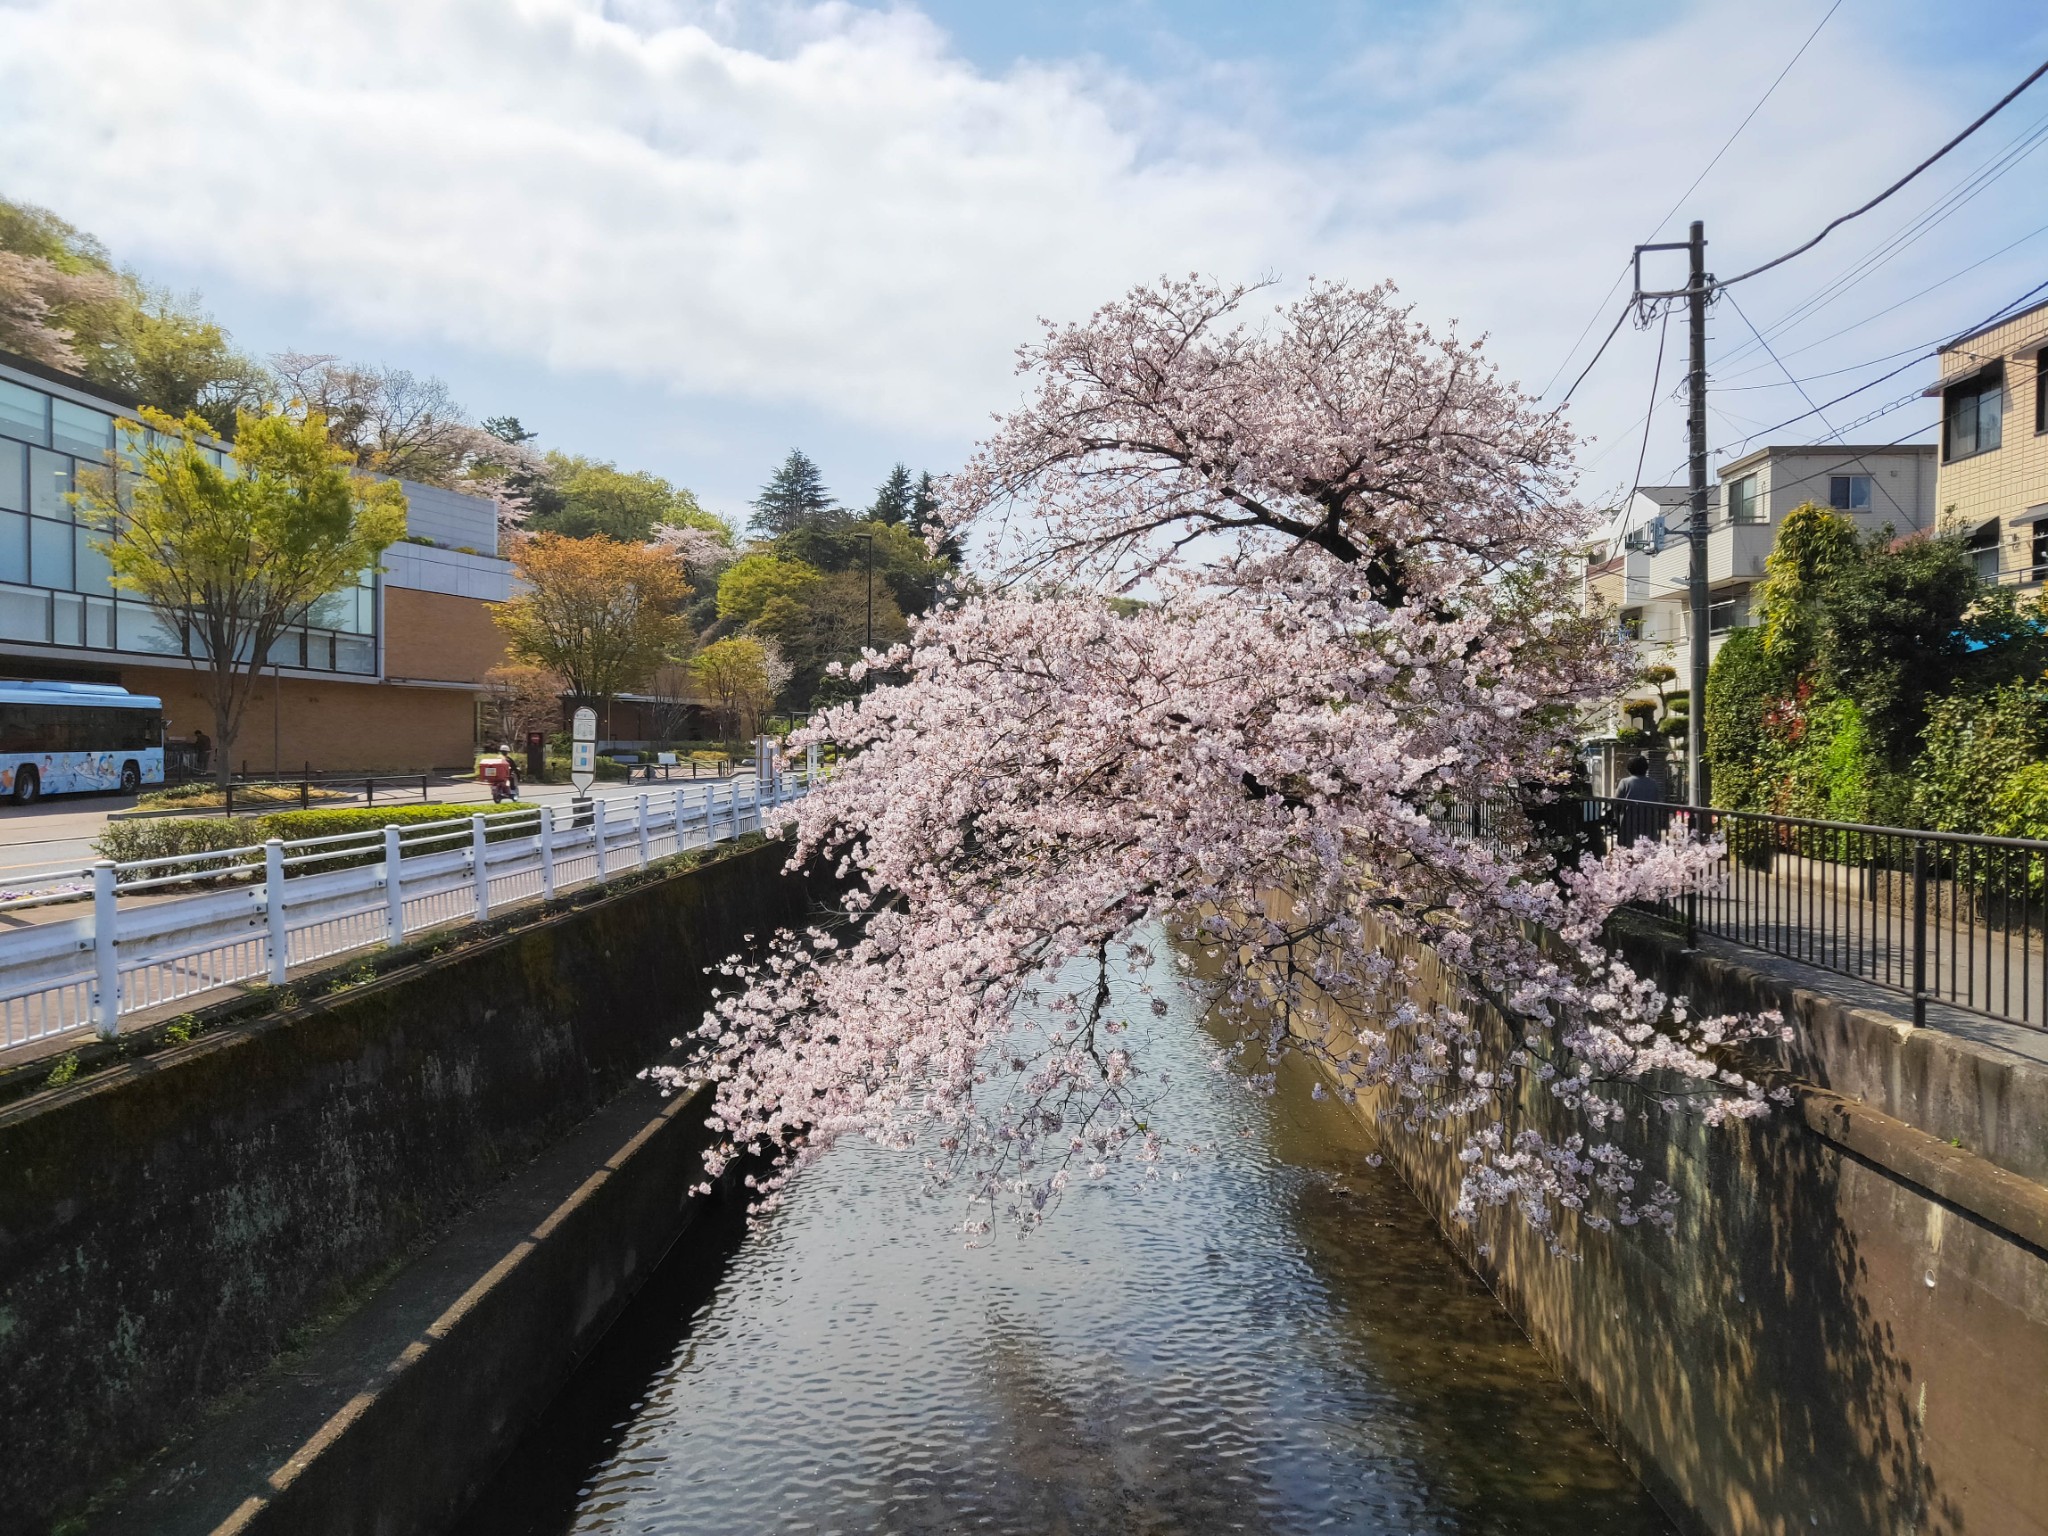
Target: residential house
point(1993, 483)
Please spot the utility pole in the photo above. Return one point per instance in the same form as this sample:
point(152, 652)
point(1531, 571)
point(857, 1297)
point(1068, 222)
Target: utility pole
point(1696, 531)
point(1698, 290)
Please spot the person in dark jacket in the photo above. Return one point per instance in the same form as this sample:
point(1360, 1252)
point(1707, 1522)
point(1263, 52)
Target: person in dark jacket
point(1642, 814)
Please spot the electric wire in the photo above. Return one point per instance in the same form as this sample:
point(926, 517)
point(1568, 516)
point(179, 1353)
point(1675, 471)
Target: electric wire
point(1813, 410)
point(1908, 235)
point(1856, 213)
point(1567, 400)
point(1726, 145)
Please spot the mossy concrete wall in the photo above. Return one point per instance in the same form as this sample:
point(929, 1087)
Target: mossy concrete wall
point(166, 1226)
point(1847, 1335)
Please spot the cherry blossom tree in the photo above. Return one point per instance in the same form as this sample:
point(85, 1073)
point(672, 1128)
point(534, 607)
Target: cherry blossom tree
point(1349, 545)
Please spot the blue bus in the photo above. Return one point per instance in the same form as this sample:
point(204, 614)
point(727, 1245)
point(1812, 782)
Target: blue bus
point(70, 738)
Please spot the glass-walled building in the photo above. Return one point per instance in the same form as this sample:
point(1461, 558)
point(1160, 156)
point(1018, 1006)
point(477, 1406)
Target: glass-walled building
point(413, 641)
point(54, 587)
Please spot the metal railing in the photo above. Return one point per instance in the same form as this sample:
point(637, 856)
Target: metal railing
point(171, 930)
point(1944, 917)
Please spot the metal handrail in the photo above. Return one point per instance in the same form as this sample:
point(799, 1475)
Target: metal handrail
point(116, 957)
point(1958, 918)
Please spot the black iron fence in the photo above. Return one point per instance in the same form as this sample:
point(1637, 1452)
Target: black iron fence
point(1937, 916)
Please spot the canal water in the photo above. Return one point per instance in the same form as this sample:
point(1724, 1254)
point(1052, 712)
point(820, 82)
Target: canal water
point(1278, 1341)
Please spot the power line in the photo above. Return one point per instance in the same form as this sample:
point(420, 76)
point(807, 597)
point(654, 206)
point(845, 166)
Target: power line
point(1730, 142)
point(1656, 379)
point(1725, 146)
point(1879, 314)
point(1911, 233)
point(1567, 400)
point(1992, 111)
point(1816, 410)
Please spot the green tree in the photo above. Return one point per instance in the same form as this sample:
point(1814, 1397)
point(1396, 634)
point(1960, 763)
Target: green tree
point(767, 586)
point(594, 498)
point(738, 675)
point(903, 567)
point(1815, 544)
point(600, 614)
point(168, 353)
point(1976, 747)
point(119, 332)
point(235, 560)
point(793, 498)
point(1745, 685)
point(893, 498)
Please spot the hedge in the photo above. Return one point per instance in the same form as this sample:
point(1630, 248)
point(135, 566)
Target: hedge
point(126, 840)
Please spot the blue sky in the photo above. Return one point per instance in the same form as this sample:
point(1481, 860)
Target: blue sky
point(687, 236)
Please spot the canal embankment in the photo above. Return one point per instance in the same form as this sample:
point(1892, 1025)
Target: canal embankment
point(1849, 1330)
point(182, 1233)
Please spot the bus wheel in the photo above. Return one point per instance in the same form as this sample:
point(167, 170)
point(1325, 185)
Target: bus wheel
point(131, 778)
point(27, 787)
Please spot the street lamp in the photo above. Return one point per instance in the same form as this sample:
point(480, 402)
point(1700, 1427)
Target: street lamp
point(871, 587)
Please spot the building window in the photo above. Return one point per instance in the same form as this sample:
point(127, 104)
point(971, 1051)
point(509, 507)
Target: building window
point(2040, 565)
point(1983, 549)
point(1849, 493)
point(1723, 614)
point(24, 413)
point(1972, 414)
point(1742, 502)
point(1631, 623)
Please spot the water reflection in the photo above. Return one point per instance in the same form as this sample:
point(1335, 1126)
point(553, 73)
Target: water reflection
point(1278, 1342)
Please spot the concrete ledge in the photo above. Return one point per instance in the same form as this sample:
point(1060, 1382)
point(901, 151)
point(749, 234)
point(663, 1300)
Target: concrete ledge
point(2009, 1204)
point(392, 1422)
point(1986, 1097)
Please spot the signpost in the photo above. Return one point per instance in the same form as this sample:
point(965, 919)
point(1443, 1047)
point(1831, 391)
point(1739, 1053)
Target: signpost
point(583, 752)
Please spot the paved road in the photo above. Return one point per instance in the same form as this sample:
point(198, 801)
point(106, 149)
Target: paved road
point(43, 843)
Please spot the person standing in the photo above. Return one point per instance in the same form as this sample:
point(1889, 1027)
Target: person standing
point(1641, 814)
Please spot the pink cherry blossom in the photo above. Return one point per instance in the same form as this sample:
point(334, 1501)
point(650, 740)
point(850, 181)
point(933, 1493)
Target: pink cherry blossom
point(1352, 547)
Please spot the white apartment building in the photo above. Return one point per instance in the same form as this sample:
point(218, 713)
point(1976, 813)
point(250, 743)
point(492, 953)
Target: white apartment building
point(1642, 568)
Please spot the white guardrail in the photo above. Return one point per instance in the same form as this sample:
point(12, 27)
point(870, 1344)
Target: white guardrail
point(163, 931)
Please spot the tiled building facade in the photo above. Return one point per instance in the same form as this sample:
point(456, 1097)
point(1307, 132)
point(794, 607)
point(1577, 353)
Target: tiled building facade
point(1994, 445)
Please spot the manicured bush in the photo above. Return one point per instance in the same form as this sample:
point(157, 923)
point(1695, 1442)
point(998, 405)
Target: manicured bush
point(160, 839)
point(291, 825)
point(123, 841)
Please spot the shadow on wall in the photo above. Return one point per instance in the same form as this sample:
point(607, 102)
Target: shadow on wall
point(1823, 1346)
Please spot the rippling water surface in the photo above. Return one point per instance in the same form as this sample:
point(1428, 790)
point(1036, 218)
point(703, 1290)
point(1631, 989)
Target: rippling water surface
point(1278, 1342)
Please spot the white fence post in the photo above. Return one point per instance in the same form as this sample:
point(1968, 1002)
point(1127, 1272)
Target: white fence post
point(394, 890)
point(547, 853)
point(106, 988)
point(597, 833)
point(679, 821)
point(273, 910)
point(478, 858)
point(736, 823)
point(646, 857)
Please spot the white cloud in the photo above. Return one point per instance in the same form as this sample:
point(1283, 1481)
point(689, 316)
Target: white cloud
point(829, 206)
point(862, 221)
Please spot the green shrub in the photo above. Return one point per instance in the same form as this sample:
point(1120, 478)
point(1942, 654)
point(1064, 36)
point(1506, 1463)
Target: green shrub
point(1975, 748)
point(1744, 686)
point(123, 841)
point(2020, 807)
point(126, 840)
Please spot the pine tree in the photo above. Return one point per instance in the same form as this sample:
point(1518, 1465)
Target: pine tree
point(924, 515)
point(893, 498)
point(794, 498)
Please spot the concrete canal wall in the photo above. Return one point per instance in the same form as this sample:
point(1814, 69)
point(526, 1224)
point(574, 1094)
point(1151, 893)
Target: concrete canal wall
point(168, 1226)
point(1849, 1333)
